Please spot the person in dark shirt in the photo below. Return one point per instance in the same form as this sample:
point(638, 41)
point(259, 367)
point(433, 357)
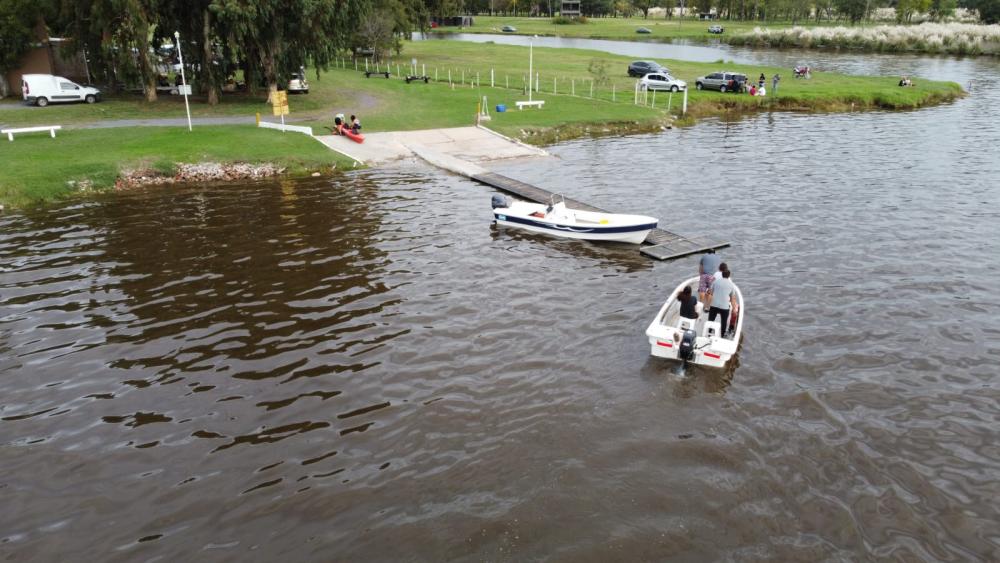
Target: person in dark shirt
point(689, 303)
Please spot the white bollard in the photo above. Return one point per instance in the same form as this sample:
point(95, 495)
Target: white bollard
point(654, 99)
point(507, 78)
point(491, 78)
point(537, 82)
point(463, 77)
point(684, 108)
point(366, 65)
point(613, 93)
point(449, 76)
point(477, 79)
point(555, 86)
point(572, 87)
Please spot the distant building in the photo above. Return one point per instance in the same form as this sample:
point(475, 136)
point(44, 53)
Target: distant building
point(570, 9)
point(452, 21)
point(46, 57)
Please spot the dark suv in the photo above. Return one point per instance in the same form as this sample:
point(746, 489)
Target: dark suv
point(722, 81)
point(642, 68)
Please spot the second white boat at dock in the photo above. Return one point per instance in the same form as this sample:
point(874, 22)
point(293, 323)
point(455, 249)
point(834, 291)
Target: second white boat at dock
point(558, 220)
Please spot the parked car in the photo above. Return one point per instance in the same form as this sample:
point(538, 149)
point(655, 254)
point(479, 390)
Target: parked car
point(715, 29)
point(643, 30)
point(298, 84)
point(41, 89)
point(721, 81)
point(642, 68)
point(662, 81)
point(508, 29)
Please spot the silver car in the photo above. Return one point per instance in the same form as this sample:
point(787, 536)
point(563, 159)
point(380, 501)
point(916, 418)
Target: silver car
point(721, 81)
point(661, 81)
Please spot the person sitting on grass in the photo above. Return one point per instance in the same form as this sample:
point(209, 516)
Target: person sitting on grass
point(753, 90)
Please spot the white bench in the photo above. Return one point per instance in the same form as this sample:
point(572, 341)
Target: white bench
point(50, 128)
point(533, 103)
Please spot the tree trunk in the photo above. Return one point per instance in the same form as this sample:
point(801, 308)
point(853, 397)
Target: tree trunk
point(146, 69)
point(270, 72)
point(207, 68)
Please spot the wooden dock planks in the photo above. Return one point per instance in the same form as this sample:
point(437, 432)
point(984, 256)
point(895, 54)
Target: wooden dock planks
point(659, 244)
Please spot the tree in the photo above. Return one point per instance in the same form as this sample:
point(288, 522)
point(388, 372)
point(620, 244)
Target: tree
point(853, 10)
point(19, 21)
point(645, 5)
point(989, 10)
point(941, 9)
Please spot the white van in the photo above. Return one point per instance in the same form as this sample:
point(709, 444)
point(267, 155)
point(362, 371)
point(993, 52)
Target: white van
point(44, 88)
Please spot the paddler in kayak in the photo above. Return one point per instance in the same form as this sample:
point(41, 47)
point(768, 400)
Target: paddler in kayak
point(355, 124)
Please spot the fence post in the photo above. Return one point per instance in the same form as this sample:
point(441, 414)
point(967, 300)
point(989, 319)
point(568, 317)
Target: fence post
point(572, 86)
point(537, 81)
point(670, 100)
point(654, 99)
point(435, 74)
point(555, 85)
point(477, 79)
point(684, 108)
point(491, 77)
point(463, 77)
point(449, 76)
point(613, 93)
point(591, 87)
point(507, 78)
point(424, 67)
point(366, 65)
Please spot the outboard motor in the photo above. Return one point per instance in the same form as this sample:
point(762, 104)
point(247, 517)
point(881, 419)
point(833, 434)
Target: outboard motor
point(686, 349)
point(499, 201)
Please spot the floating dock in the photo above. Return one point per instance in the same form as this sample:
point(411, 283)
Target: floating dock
point(460, 150)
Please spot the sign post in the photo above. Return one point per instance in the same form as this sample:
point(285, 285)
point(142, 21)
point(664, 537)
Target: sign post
point(279, 104)
point(185, 89)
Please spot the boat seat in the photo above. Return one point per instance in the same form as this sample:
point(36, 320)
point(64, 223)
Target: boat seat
point(712, 328)
point(685, 323)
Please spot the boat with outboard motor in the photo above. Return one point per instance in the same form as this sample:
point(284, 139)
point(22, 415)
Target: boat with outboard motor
point(558, 220)
point(697, 341)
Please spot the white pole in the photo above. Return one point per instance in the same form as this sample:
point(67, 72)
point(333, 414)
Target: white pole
point(654, 99)
point(187, 108)
point(356, 65)
point(636, 94)
point(449, 76)
point(572, 86)
point(538, 81)
point(684, 108)
point(670, 100)
point(424, 66)
point(613, 93)
point(531, 61)
point(591, 88)
point(507, 78)
point(491, 77)
point(555, 86)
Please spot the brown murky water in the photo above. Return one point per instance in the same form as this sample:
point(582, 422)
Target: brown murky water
point(363, 369)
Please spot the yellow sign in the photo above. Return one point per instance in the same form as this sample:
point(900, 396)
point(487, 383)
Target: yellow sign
point(279, 102)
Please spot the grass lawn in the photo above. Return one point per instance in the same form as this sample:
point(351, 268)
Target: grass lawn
point(621, 28)
point(38, 168)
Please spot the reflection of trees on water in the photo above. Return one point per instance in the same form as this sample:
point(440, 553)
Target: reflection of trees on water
point(237, 279)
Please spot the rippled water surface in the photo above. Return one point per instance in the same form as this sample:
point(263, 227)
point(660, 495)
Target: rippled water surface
point(362, 368)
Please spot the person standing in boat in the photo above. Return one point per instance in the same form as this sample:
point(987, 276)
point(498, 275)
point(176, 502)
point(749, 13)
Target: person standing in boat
point(707, 267)
point(689, 303)
point(723, 300)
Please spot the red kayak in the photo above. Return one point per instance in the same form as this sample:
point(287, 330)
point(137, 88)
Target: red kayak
point(346, 131)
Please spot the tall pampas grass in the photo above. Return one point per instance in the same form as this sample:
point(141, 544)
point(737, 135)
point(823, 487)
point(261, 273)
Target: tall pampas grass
point(953, 38)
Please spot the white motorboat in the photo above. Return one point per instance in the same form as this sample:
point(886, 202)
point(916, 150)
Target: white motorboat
point(561, 221)
point(697, 341)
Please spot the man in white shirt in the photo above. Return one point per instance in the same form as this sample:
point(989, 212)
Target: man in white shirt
point(722, 297)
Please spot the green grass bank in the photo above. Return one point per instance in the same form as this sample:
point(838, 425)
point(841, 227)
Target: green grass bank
point(38, 168)
point(580, 101)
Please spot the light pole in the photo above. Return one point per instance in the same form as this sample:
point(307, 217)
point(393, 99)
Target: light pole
point(184, 87)
point(531, 59)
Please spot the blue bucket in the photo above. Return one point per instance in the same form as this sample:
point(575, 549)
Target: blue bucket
point(501, 108)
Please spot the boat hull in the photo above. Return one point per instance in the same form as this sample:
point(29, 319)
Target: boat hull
point(574, 224)
point(665, 333)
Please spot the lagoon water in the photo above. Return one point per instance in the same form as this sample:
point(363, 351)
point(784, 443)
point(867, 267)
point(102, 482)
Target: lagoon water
point(362, 368)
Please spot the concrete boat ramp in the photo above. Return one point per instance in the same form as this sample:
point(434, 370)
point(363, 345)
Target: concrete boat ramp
point(463, 150)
